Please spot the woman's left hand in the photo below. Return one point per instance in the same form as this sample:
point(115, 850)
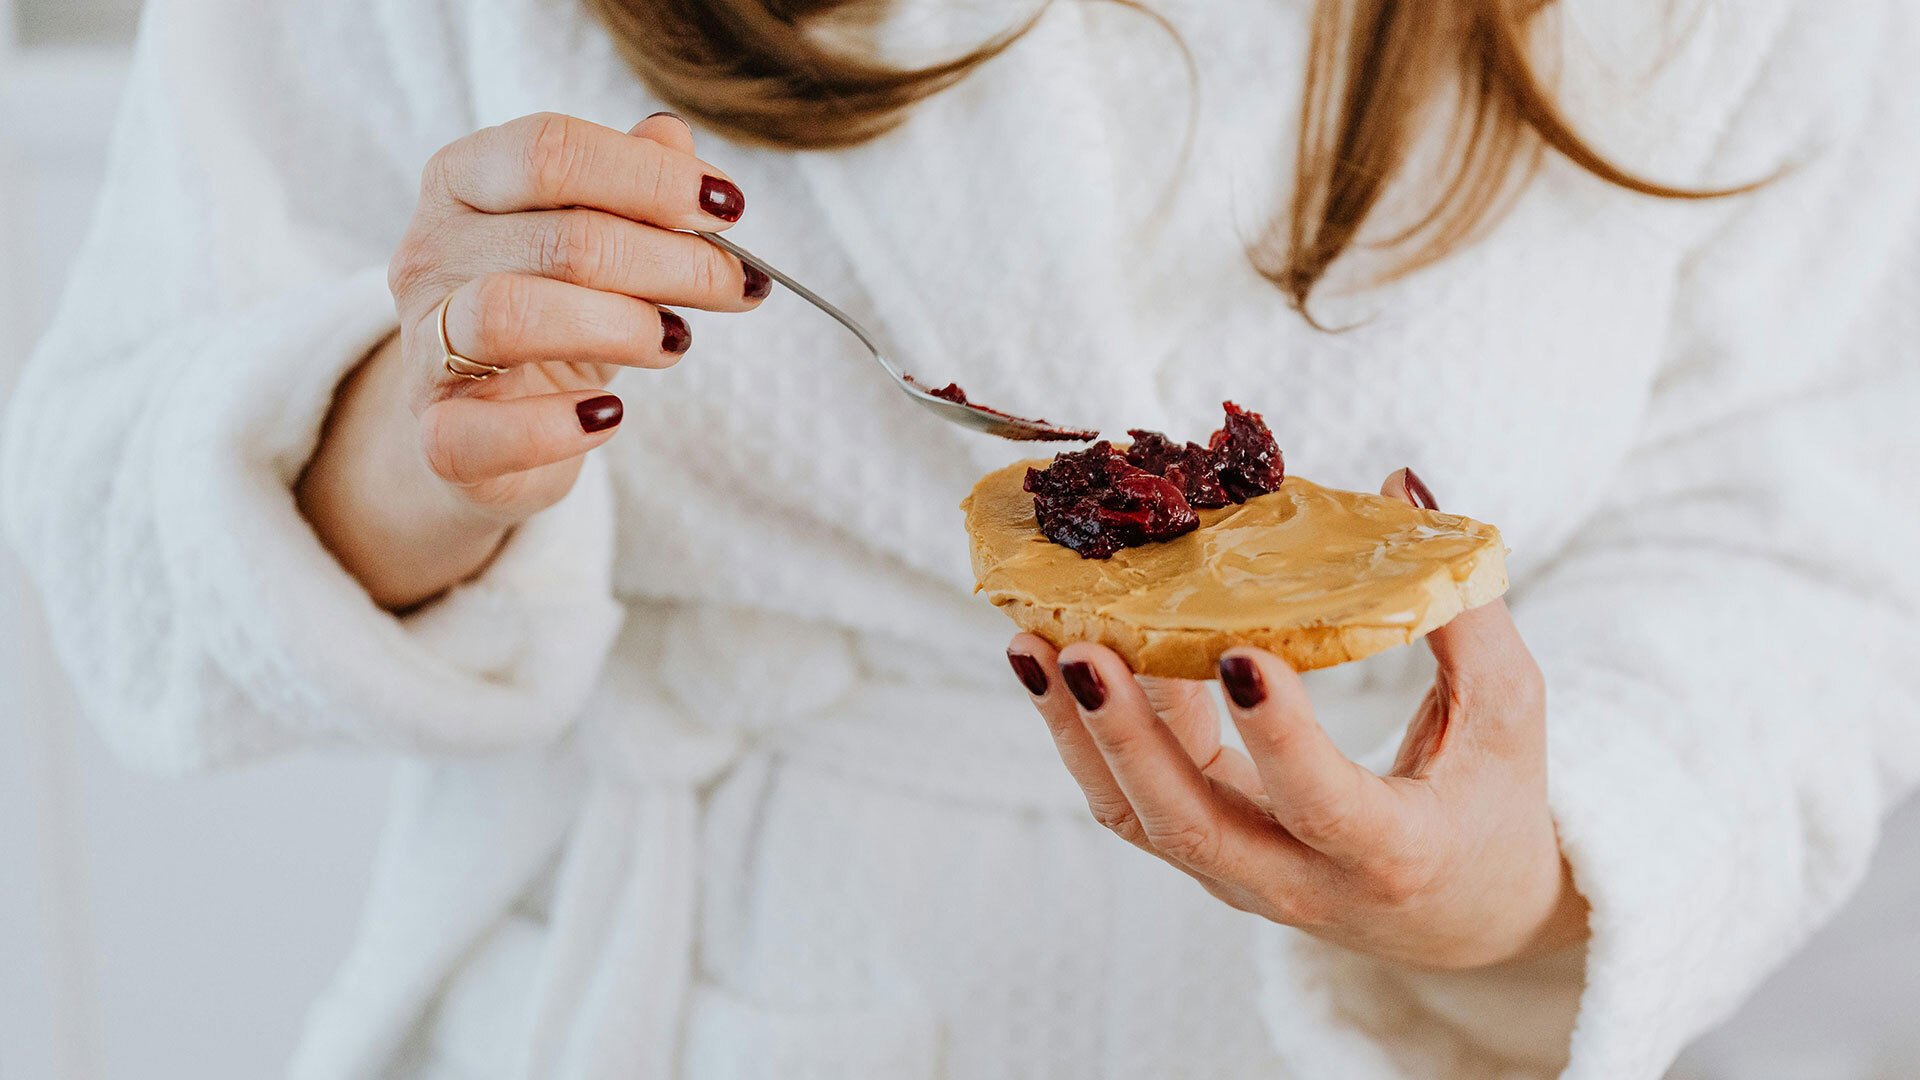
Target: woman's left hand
point(1449, 862)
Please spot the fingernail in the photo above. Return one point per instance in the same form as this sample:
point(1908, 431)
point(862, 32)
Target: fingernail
point(1031, 675)
point(675, 337)
point(1417, 490)
point(758, 283)
point(1241, 677)
point(600, 413)
point(670, 112)
point(721, 199)
point(1085, 683)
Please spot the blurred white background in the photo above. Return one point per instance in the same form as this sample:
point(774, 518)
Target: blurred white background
point(154, 930)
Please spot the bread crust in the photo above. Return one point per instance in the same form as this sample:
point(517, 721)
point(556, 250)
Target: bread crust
point(1195, 653)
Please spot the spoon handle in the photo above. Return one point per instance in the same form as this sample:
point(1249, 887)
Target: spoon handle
point(802, 291)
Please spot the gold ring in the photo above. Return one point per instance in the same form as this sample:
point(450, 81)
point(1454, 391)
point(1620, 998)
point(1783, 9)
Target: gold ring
point(457, 364)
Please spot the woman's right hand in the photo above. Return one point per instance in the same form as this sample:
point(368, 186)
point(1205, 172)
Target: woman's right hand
point(553, 242)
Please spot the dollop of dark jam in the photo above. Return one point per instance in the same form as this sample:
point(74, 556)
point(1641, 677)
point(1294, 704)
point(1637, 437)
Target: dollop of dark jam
point(1101, 499)
point(951, 392)
point(1192, 467)
point(1094, 502)
point(1246, 460)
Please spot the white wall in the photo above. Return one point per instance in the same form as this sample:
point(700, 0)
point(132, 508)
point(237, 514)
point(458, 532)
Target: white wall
point(154, 930)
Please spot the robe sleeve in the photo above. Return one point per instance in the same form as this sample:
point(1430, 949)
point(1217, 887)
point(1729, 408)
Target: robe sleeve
point(1731, 641)
point(264, 164)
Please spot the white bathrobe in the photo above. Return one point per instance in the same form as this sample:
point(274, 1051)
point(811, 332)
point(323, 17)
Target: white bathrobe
point(718, 771)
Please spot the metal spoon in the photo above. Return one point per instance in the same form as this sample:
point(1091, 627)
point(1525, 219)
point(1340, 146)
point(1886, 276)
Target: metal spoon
point(949, 403)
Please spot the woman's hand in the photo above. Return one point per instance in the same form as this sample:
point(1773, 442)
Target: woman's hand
point(553, 242)
point(1450, 862)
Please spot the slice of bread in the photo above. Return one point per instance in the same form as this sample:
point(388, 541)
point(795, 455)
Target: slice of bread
point(1314, 575)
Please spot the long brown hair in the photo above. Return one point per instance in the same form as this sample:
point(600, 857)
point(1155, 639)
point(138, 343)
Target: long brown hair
point(762, 71)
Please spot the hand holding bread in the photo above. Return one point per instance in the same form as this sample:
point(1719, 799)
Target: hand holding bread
point(1450, 861)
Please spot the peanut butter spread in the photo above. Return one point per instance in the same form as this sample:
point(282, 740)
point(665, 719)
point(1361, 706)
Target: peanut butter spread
point(1304, 555)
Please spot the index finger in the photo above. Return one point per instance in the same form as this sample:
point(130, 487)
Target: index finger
point(552, 162)
point(1183, 817)
point(1032, 657)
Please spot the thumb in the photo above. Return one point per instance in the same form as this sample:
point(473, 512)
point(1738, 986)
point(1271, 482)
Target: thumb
point(1480, 652)
point(669, 129)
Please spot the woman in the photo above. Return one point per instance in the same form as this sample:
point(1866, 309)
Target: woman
point(711, 766)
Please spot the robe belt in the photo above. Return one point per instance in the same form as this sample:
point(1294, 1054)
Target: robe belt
point(610, 997)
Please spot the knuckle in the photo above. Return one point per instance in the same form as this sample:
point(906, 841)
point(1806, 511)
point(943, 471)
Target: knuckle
point(1246, 901)
point(1116, 816)
point(1119, 745)
point(508, 496)
point(1516, 681)
point(658, 182)
point(1265, 744)
point(542, 142)
point(1397, 880)
point(1194, 843)
point(1269, 741)
point(444, 454)
point(1176, 697)
point(553, 152)
point(434, 175)
point(1325, 819)
point(1060, 723)
point(571, 249)
point(711, 277)
point(528, 435)
point(1507, 704)
point(1303, 908)
point(412, 265)
point(503, 312)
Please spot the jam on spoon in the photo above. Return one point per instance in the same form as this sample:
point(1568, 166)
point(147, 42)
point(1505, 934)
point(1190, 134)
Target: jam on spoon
point(1101, 499)
point(1041, 430)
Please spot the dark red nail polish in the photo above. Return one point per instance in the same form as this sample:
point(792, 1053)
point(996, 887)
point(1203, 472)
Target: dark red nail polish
point(1031, 676)
point(1242, 679)
point(758, 283)
point(675, 337)
point(1418, 491)
point(1085, 683)
point(721, 199)
point(669, 112)
point(600, 413)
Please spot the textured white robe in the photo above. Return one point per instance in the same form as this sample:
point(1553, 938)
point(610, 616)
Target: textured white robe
point(718, 771)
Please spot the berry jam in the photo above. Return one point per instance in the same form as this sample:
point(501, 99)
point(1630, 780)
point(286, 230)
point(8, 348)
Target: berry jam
point(1096, 503)
point(1101, 499)
point(1246, 460)
point(1190, 467)
point(1037, 430)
